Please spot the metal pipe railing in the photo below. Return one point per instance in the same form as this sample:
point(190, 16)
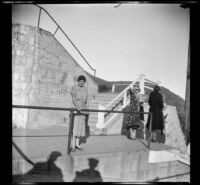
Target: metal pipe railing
point(58, 27)
point(39, 17)
point(72, 114)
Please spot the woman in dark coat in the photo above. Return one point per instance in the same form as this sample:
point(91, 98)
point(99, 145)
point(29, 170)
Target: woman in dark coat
point(132, 122)
point(156, 106)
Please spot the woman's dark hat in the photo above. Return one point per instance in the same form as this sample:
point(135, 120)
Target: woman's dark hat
point(156, 88)
point(81, 77)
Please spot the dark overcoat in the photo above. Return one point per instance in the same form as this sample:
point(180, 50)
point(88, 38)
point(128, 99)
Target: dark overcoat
point(156, 106)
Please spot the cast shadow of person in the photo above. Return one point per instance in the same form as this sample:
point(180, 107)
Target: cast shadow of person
point(44, 171)
point(89, 175)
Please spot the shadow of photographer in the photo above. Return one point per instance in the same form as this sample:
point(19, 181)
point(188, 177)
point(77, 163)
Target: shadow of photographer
point(89, 175)
point(43, 171)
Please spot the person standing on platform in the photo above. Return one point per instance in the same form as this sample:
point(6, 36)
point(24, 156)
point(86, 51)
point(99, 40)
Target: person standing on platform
point(156, 106)
point(80, 100)
point(132, 122)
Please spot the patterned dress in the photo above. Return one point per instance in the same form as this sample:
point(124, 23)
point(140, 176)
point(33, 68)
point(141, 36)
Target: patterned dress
point(81, 96)
point(133, 119)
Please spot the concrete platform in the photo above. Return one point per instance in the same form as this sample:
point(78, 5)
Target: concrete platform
point(104, 159)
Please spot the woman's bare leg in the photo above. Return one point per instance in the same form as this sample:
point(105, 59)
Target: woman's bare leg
point(73, 142)
point(77, 141)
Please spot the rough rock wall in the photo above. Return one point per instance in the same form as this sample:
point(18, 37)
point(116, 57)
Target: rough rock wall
point(43, 73)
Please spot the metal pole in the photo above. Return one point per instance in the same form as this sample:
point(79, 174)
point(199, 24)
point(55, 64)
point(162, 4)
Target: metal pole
point(187, 99)
point(151, 115)
point(70, 135)
point(39, 18)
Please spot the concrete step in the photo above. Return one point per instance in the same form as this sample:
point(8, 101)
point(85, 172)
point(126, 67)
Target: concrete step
point(100, 99)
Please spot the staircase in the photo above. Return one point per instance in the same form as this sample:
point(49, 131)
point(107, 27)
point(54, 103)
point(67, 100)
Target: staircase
point(111, 101)
point(101, 99)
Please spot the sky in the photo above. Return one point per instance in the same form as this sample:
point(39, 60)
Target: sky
point(121, 42)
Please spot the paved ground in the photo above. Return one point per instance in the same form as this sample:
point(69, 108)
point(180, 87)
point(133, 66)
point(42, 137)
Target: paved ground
point(40, 143)
point(37, 147)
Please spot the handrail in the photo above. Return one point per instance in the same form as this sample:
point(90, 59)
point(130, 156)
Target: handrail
point(121, 93)
point(72, 110)
point(120, 84)
point(167, 177)
point(65, 36)
point(150, 81)
point(41, 107)
point(125, 104)
point(115, 114)
point(148, 87)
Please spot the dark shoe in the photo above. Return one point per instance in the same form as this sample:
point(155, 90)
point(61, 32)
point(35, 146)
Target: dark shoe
point(76, 147)
point(133, 139)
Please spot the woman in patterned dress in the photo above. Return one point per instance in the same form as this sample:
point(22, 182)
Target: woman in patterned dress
point(80, 100)
point(133, 120)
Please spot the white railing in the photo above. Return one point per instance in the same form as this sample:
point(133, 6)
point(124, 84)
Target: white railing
point(114, 85)
point(115, 114)
point(148, 87)
point(101, 121)
point(117, 98)
point(121, 94)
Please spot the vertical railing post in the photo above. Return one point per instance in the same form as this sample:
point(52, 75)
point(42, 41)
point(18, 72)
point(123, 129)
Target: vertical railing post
point(39, 17)
point(151, 115)
point(101, 124)
point(125, 98)
point(71, 125)
point(113, 88)
point(141, 84)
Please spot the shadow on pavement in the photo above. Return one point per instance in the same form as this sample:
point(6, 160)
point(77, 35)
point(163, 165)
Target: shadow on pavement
point(89, 175)
point(22, 154)
point(43, 171)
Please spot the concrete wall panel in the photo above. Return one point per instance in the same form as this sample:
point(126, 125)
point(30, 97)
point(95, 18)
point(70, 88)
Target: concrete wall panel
point(43, 73)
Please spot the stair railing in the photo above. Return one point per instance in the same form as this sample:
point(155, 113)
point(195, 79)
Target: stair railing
point(126, 100)
point(117, 99)
point(121, 98)
point(123, 93)
point(59, 28)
